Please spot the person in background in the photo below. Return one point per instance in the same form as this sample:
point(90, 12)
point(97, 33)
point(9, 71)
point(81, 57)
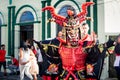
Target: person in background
point(34, 70)
point(40, 60)
point(2, 59)
point(90, 39)
point(14, 67)
point(84, 33)
point(28, 62)
point(34, 50)
point(25, 61)
point(117, 58)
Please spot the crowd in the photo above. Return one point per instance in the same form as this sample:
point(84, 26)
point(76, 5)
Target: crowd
point(30, 58)
point(27, 63)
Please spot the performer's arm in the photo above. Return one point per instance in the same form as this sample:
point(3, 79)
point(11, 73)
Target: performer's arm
point(38, 43)
point(61, 40)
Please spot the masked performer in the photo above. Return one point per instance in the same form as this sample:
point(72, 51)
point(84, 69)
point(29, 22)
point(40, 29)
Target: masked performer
point(71, 48)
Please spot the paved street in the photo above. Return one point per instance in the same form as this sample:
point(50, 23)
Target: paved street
point(16, 77)
point(13, 77)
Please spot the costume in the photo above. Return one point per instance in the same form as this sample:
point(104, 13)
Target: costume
point(51, 58)
point(71, 48)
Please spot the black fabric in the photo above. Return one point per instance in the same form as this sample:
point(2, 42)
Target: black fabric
point(55, 42)
point(93, 54)
point(117, 49)
point(45, 41)
point(109, 43)
point(3, 64)
point(118, 72)
point(48, 56)
point(96, 58)
point(85, 43)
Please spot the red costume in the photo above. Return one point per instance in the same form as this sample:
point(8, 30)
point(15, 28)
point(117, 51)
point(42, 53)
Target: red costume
point(72, 58)
point(71, 49)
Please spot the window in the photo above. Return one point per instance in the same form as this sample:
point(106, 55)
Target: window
point(27, 16)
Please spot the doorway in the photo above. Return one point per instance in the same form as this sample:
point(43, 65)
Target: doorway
point(26, 30)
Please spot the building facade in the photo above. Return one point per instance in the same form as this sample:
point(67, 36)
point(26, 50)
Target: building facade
point(21, 20)
point(24, 19)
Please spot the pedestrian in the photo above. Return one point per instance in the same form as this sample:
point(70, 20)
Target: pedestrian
point(14, 67)
point(34, 70)
point(117, 57)
point(2, 59)
point(34, 50)
point(40, 60)
point(25, 62)
point(84, 33)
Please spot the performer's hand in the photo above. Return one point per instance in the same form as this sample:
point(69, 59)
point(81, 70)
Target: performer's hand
point(114, 43)
point(93, 35)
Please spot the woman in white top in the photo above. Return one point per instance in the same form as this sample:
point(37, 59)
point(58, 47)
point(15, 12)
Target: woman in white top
point(25, 62)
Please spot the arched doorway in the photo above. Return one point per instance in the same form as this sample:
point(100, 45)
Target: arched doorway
point(63, 12)
point(26, 30)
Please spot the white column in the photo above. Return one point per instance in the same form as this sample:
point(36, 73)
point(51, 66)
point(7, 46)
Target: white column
point(17, 40)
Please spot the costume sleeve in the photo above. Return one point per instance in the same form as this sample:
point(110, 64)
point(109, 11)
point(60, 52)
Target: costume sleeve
point(38, 43)
point(87, 43)
point(61, 40)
